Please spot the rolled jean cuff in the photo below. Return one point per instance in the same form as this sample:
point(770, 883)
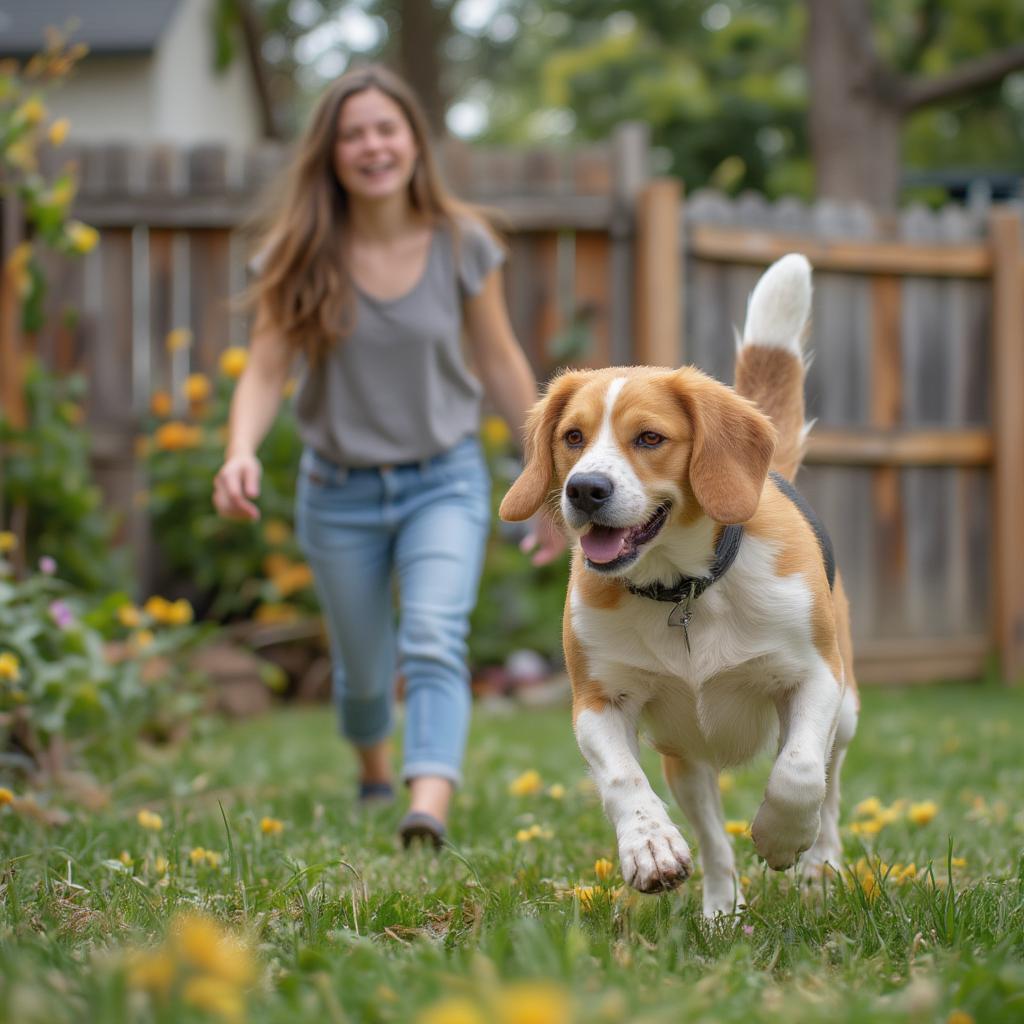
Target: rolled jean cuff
point(365, 722)
point(417, 769)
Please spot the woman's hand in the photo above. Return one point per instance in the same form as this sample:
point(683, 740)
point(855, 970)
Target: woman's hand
point(546, 538)
point(237, 482)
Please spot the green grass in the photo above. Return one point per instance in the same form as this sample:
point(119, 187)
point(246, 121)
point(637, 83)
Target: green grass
point(346, 927)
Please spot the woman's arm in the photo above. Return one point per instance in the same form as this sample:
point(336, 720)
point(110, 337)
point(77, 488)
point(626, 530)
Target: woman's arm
point(253, 408)
point(509, 383)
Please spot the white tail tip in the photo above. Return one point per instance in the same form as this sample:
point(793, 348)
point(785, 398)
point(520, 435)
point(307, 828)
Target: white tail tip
point(780, 304)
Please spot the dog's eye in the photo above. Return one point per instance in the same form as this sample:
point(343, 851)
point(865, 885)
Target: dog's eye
point(649, 439)
point(574, 438)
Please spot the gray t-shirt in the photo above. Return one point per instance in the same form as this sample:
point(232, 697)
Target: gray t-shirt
point(397, 389)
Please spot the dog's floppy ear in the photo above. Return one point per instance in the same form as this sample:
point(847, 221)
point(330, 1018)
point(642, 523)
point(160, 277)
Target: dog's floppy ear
point(533, 485)
point(733, 444)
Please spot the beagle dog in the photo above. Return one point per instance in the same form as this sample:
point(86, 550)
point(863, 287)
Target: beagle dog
point(703, 605)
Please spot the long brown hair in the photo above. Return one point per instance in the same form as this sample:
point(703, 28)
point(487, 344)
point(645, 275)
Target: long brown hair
point(302, 283)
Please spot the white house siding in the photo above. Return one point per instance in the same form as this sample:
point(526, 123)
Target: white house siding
point(108, 98)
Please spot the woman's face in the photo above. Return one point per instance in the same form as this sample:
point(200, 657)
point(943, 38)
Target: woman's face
point(374, 149)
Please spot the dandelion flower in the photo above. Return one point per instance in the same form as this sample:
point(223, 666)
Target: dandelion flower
point(10, 667)
point(271, 826)
point(533, 1002)
point(8, 542)
point(737, 828)
point(958, 862)
point(126, 858)
point(868, 808)
point(556, 791)
point(603, 868)
point(524, 835)
point(215, 997)
point(197, 855)
point(456, 1010)
point(205, 945)
point(31, 112)
point(233, 360)
point(526, 784)
point(6, 796)
point(128, 615)
point(148, 819)
point(161, 865)
point(157, 608)
point(923, 812)
point(871, 827)
point(179, 613)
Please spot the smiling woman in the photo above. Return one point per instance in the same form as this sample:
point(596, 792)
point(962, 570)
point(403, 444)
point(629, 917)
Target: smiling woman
point(370, 273)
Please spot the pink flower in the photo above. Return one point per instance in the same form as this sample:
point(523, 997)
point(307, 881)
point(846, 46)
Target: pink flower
point(61, 614)
point(748, 929)
point(47, 565)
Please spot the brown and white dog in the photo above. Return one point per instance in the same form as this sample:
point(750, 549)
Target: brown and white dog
point(653, 469)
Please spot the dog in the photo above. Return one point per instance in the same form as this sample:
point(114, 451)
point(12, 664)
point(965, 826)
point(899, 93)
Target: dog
point(703, 604)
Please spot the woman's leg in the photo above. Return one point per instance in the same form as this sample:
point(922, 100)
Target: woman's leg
point(439, 556)
point(352, 571)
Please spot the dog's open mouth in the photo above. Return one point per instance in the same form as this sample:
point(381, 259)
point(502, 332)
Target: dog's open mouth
point(608, 547)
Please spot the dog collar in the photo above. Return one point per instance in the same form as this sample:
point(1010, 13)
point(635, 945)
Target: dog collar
point(687, 589)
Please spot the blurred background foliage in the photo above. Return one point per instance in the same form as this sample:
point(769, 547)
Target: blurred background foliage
point(723, 85)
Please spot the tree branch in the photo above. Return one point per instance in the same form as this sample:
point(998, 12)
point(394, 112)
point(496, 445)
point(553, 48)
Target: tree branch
point(969, 77)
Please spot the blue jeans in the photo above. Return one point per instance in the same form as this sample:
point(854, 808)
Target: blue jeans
point(424, 525)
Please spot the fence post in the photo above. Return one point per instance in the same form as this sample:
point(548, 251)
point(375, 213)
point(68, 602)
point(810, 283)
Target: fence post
point(658, 273)
point(630, 171)
point(1008, 428)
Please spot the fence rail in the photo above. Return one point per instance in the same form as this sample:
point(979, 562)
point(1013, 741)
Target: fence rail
point(917, 459)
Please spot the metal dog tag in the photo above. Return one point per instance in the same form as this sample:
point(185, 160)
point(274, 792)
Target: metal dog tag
point(682, 613)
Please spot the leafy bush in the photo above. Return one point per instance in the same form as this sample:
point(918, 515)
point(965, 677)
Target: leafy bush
point(238, 568)
point(97, 673)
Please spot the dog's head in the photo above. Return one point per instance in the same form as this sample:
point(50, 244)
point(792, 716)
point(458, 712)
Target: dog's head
point(635, 449)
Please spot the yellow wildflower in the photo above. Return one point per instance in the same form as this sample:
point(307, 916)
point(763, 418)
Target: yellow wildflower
point(197, 855)
point(870, 827)
point(178, 339)
point(197, 387)
point(152, 972)
point(210, 948)
point(161, 404)
point(125, 858)
point(298, 576)
point(31, 112)
point(17, 268)
point(276, 532)
point(161, 865)
point(958, 862)
point(868, 808)
point(176, 436)
point(128, 615)
point(270, 614)
point(904, 874)
point(923, 812)
point(603, 868)
point(10, 667)
point(585, 894)
point(524, 835)
point(737, 828)
point(233, 360)
point(271, 826)
point(179, 613)
point(526, 784)
point(456, 1010)
point(22, 155)
point(149, 819)
point(6, 796)
point(495, 432)
point(58, 131)
point(8, 541)
point(959, 1017)
point(533, 1002)
point(216, 997)
point(157, 607)
point(83, 237)
point(143, 639)
point(556, 791)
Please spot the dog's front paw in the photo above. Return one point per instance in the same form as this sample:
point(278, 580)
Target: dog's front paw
point(655, 859)
point(782, 832)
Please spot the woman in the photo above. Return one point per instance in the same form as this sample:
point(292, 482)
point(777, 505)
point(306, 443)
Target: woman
point(372, 272)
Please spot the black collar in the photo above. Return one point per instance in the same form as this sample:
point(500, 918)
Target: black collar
point(688, 588)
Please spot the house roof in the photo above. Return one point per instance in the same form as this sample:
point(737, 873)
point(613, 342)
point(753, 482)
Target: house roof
point(107, 26)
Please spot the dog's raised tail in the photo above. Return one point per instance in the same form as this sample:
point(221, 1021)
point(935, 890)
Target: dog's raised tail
point(769, 363)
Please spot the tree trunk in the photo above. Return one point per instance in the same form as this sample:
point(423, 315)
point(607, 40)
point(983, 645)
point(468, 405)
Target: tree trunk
point(856, 117)
point(420, 41)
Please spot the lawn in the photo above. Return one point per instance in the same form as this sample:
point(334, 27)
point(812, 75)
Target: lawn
point(311, 912)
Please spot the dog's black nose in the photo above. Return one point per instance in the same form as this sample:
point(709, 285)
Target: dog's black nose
point(588, 491)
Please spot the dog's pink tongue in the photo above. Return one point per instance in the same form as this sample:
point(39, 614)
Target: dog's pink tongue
point(603, 543)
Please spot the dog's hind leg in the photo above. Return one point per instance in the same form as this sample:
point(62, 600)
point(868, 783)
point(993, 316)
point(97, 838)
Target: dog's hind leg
point(828, 847)
point(695, 787)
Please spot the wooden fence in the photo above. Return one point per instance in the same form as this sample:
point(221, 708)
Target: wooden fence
point(917, 459)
